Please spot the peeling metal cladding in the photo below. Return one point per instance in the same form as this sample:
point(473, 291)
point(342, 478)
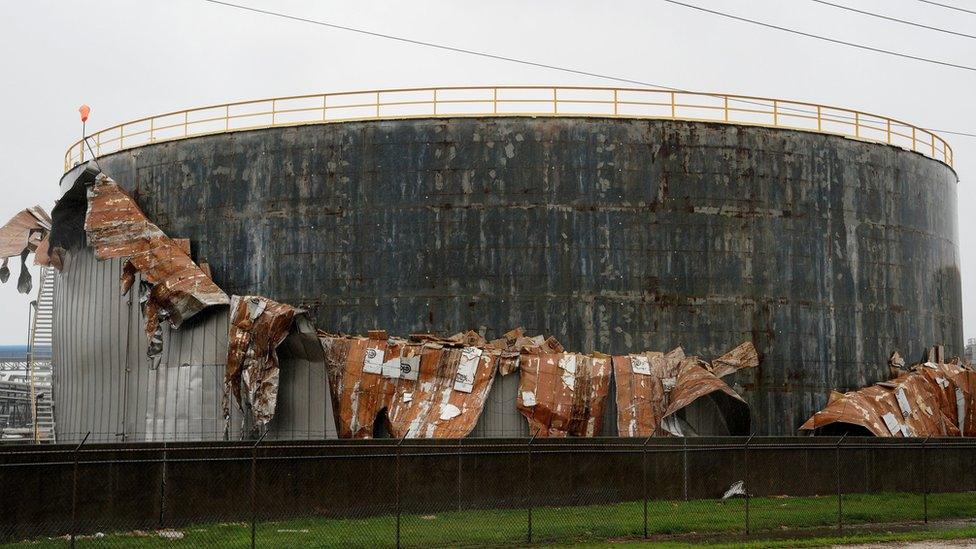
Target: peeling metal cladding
point(611, 234)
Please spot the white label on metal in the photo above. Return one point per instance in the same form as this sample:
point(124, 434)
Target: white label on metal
point(568, 365)
point(373, 363)
point(932, 365)
point(391, 368)
point(528, 398)
point(892, 424)
point(669, 383)
point(464, 380)
point(961, 410)
point(407, 397)
point(942, 382)
point(906, 409)
point(640, 364)
point(449, 411)
point(410, 367)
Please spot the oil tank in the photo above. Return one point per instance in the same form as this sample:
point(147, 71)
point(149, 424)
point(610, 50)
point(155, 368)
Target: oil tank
point(613, 234)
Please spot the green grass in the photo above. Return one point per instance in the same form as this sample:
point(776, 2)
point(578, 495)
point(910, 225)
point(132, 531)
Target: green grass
point(564, 525)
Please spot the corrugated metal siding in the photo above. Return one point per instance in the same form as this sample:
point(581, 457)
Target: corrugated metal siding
point(99, 334)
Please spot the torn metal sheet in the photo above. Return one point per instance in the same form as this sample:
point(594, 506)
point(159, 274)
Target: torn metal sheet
point(116, 227)
point(430, 387)
point(258, 326)
point(358, 396)
point(22, 235)
point(563, 394)
point(930, 399)
point(448, 396)
point(653, 387)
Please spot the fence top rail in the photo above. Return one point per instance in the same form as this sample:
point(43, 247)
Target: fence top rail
point(497, 101)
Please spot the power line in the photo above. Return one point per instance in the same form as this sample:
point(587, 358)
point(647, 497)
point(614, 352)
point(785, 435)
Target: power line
point(512, 59)
point(947, 6)
point(895, 19)
point(824, 38)
point(440, 46)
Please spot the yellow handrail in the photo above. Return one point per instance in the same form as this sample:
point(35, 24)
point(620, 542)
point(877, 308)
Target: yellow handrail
point(446, 102)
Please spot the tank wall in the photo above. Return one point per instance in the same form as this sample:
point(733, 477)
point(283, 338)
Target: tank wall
point(611, 234)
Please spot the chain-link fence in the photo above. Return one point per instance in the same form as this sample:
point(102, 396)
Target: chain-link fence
point(474, 492)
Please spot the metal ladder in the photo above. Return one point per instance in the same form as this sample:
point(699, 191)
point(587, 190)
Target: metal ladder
point(39, 356)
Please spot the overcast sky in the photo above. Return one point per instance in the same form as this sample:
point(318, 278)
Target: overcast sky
point(131, 59)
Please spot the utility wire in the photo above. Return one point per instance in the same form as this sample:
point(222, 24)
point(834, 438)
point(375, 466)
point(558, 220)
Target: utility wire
point(440, 46)
point(947, 6)
point(515, 60)
point(824, 38)
point(895, 19)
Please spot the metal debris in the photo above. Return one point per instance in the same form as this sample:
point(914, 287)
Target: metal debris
point(258, 326)
point(430, 387)
point(21, 236)
point(563, 394)
point(117, 227)
point(934, 398)
point(652, 387)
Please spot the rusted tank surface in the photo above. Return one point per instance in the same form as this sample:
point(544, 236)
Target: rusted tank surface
point(613, 235)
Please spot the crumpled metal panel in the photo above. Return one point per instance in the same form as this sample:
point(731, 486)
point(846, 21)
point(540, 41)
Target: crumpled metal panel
point(22, 234)
point(653, 386)
point(563, 394)
point(930, 399)
point(117, 227)
point(257, 326)
point(431, 387)
point(448, 395)
point(357, 396)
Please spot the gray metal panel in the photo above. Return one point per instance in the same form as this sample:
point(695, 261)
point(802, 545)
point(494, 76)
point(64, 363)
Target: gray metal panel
point(99, 334)
point(500, 418)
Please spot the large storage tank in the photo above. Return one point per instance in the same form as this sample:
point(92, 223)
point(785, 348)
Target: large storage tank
point(615, 233)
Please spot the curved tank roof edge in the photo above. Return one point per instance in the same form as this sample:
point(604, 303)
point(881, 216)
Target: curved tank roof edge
point(66, 177)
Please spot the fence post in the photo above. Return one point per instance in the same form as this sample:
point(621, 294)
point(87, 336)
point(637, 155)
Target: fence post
point(745, 479)
point(925, 479)
point(74, 492)
point(840, 499)
point(459, 474)
point(162, 490)
point(684, 460)
point(644, 483)
point(397, 485)
point(254, 497)
point(528, 499)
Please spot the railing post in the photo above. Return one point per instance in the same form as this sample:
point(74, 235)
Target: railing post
point(555, 102)
point(435, 101)
point(377, 104)
point(925, 479)
point(673, 108)
point(933, 144)
point(325, 100)
point(775, 112)
point(840, 499)
point(74, 492)
point(254, 496)
point(726, 108)
point(494, 100)
point(226, 117)
point(914, 139)
point(615, 104)
point(745, 478)
point(528, 498)
point(857, 124)
point(819, 119)
point(186, 125)
point(888, 128)
point(644, 482)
